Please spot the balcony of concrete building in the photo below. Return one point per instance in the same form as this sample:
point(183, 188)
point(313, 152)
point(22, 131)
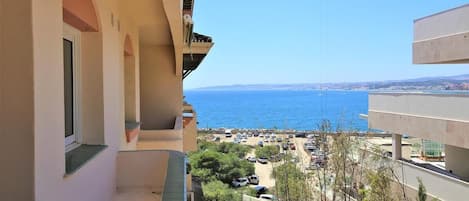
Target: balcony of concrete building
point(163, 139)
point(442, 37)
point(196, 48)
point(442, 117)
point(438, 116)
point(151, 175)
point(190, 128)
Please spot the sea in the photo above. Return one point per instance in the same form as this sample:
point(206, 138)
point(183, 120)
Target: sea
point(279, 109)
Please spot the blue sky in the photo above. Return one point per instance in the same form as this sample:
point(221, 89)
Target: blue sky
point(311, 41)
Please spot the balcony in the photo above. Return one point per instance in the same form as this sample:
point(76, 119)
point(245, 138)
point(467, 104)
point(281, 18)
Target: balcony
point(441, 117)
point(195, 52)
point(190, 129)
point(151, 175)
point(442, 37)
point(163, 139)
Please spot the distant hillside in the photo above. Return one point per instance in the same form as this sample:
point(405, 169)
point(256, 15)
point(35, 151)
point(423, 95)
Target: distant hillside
point(457, 82)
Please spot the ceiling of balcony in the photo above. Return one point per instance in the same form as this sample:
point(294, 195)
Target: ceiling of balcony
point(150, 17)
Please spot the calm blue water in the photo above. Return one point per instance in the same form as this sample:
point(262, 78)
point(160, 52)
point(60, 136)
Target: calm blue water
point(300, 110)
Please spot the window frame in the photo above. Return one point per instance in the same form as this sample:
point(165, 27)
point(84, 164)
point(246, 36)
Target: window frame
point(73, 35)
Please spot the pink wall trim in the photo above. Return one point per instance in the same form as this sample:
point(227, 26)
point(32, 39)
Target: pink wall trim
point(80, 14)
point(130, 134)
point(128, 50)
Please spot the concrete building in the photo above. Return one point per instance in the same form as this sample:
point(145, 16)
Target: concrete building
point(91, 99)
point(440, 117)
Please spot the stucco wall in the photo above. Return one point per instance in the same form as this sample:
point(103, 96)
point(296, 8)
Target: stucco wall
point(190, 135)
point(457, 160)
point(438, 186)
point(442, 24)
point(32, 105)
point(160, 88)
point(16, 114)
point(142, 169)
point(442, 37)
point(102, 110)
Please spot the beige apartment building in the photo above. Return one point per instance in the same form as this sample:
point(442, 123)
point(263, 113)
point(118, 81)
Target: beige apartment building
point(440, 38)
point(91, 99)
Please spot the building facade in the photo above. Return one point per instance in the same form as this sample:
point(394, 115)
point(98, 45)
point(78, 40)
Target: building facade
point(91, 99)
point(440, 116)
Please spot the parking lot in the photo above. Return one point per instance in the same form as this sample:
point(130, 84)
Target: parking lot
point(264, 171)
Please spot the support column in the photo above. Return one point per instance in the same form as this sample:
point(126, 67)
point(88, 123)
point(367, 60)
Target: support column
point(457, 161)
point(17, 146)
point(396, 146)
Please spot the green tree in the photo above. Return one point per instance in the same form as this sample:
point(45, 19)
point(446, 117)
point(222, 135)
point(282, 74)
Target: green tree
point(218, 191)
point(238, 149)
point(422, 193)
point(380, 185)
point(210, 165)
point(267, 151)
point(291, 183)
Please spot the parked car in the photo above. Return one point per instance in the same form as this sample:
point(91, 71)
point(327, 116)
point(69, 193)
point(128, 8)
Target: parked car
point(266, 140)
point(253, 179)
point(309, 147)
point(263, 160)
point(256, 134)
point(251, 159)
point(300, 135)
point(312, 166)
point(260, 190)
point(228, 133)
point(260, 143)
point(275, 158)
point(273, 136)
point(285, 146)
point(292, 146)
point(244, 140)
point(279, 139)
point(267, 197)
point(294, 159)
point(261, 135)
point(272, 140)
point(240, 182)
point(310, 136)
point(267, 136)
point(291, 136)
point(216, 139)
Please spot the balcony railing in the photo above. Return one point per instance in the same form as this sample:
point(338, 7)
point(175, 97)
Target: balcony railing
point(163, 139)
point(151, 175)
point(439, 184)
point(190, 130)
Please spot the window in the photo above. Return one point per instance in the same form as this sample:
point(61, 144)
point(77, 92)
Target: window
point(71, 40)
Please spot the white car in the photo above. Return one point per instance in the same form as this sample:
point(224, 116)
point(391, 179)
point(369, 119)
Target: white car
point(251, 159)
point(267, 197)
point(244, 140)
point(240, 182)
point(261, 135)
